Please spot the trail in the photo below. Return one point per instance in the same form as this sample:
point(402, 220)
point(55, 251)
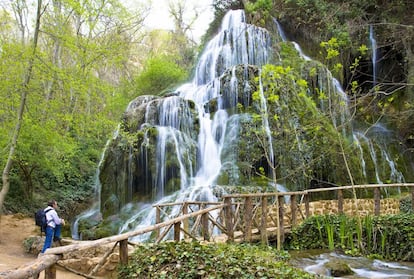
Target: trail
point(14, 229)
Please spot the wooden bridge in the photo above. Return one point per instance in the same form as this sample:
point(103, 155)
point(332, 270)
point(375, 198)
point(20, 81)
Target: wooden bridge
point(238, 217)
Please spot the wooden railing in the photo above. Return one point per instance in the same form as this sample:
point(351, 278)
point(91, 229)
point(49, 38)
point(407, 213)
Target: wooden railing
point(47, 261)
point(253, 211)
point(244, 217)
point(252, 217)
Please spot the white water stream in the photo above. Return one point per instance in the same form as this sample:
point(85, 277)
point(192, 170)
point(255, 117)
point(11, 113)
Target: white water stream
point(314, 261)
point(374, 55)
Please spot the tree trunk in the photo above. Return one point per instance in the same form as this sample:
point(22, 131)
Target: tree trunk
point(25, 90)
point(409, 54)
point(28, 181)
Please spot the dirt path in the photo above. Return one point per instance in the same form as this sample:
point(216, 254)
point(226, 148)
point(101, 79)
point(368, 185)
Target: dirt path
point(14, 229)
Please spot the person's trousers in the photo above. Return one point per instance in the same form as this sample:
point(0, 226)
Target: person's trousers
point(51, 234)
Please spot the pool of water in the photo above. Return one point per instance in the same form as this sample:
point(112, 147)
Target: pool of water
point(314, 261)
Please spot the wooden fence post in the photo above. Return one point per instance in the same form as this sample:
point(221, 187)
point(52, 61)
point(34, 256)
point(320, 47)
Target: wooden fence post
point(177, 228)
point(306, 198)
point(281, 219)
point(204, 224)
point(412, 197)
point(50, 272)
point(123, 251)
point(228, 215)
point(185, 222)
point(157, 220)
point(263, 229)
point(340, 201)
point(293, 207)
point(248, 208)
point(377, 201)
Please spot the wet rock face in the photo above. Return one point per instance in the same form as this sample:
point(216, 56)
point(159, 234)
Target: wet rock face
point(135, 114)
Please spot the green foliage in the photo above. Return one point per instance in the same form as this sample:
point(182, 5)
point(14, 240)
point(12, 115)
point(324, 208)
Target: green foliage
point(160, 74)
point(259, 9)
point(331, 53)
point(306, 140)
point(405, 205)
point(258, 5)
point(195, 260)
point(312, 22)
point(389, 235)
point(319, 14)
point(73, 105)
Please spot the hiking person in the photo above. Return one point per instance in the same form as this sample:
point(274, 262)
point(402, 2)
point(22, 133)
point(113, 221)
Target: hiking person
point(54, 225)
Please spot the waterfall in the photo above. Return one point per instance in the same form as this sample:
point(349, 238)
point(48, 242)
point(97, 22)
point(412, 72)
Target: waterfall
point(280, 30)
point(265, 121)
point(372, 153)
point(339, 99)
point(94, 211)
point(376, 148)
point(361, 154)
point(295, 44)
point(374, 55)
point(237, 43)
point(192, 138)
point(301, 54)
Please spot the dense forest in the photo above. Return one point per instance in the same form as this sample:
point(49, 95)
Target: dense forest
point(69, 69)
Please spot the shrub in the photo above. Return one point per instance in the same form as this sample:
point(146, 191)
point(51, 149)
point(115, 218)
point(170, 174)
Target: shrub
point(195, 260)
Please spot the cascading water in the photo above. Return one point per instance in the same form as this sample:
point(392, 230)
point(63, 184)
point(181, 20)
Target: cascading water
point(360, 266)
point(236, 43)
point(374, 55)
point(181, 147)
point(93, 213)
point(376, 144)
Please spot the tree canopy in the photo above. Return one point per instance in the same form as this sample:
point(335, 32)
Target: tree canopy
point(88, 57)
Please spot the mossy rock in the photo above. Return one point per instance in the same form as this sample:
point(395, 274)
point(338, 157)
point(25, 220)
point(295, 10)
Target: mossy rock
point(33, 244)
point(338, 268)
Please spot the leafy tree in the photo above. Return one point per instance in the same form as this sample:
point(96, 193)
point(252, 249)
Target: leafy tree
point(82, 54)
point(183, 24)
point(159, 74)
point(24, 91)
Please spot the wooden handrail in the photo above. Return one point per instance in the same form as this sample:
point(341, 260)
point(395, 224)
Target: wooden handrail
point(187, 202)
point(52, 255)
point(305, 192)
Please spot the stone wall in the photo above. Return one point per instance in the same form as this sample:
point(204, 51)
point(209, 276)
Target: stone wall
point(351, 207)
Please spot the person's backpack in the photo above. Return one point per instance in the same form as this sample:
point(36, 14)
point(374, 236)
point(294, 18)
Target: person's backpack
point(40, 219)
